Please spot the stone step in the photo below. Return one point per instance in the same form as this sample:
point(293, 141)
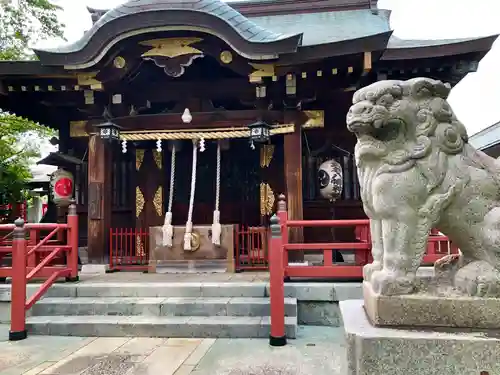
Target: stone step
point(154, 326)
point(157, 289)
point(159, 306)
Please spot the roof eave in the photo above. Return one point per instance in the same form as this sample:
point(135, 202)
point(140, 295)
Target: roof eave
point(370, 43)
point(439, 50)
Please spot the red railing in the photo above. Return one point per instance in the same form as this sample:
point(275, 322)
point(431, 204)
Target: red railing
point(279, 267)
point(26, 251)
point(251, 248)
point(128, 249)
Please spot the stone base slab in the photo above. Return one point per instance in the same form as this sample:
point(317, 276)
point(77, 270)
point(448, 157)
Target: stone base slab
point(94, 269)
point(431, 310)
point(390, 351)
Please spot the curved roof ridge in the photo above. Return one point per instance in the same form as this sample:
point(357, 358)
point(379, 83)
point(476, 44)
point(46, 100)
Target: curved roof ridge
point(216, 8)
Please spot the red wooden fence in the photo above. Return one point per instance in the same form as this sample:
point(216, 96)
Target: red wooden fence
point(128, 249)
point(251, 248)
point(279, 247)
point(32, 259)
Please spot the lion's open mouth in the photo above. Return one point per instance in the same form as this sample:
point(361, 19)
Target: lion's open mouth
point(360, 127)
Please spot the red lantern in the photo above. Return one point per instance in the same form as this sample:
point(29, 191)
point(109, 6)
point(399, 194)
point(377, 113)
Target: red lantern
point(61, 184)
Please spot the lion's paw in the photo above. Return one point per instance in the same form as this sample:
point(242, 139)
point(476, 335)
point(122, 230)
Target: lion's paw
point(389, 284)
point(478, 279)
point(369, 269)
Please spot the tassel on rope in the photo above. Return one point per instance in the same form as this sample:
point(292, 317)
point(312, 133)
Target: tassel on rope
point(189, 223)
point(216, 227)
point(168, 229)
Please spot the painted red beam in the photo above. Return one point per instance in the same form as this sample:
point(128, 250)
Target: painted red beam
point(325, 223)
point(328, 246)
point(337, 272)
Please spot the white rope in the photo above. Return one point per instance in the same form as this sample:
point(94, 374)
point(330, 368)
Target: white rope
point(168, 229)
point(216, 227)
point(189, 223)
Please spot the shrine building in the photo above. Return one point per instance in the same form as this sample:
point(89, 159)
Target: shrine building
point(181, 122)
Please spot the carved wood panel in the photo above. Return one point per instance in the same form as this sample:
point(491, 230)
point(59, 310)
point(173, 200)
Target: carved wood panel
point(149, 190)
point(272, 176)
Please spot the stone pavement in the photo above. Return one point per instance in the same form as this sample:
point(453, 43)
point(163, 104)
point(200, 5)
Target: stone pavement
point(317, 351)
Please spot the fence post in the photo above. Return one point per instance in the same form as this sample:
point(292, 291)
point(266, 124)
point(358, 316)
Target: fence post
point(276, 286)
point(72, 257)
point(283, 217)
point(18, 290)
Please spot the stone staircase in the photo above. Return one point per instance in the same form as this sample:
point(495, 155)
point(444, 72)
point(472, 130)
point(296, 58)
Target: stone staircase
point(232, 310)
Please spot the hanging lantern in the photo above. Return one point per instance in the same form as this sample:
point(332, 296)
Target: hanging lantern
point(109, 131)
point(330, 180)
point(61, 186)
point(260, 132)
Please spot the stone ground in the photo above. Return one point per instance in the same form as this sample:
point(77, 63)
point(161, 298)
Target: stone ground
point(316, 351)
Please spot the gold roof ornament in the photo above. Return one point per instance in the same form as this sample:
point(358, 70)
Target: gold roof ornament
point(226, 57)
point(171, 47)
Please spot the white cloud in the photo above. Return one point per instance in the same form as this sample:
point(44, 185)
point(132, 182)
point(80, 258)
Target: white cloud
point(476, 99)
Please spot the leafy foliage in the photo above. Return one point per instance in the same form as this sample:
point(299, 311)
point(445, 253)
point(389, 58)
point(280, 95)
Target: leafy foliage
point(22, 23)
point(26, 22)
point(17, 153)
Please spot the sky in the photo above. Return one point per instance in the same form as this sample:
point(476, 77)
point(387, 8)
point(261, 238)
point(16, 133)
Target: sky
point(476, 99)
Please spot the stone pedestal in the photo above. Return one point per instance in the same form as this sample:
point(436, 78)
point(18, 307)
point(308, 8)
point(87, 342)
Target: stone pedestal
point(391, 351)
point(435, 306)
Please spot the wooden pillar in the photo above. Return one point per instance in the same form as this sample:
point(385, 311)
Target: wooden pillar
point(99, 201)
point(293, 178)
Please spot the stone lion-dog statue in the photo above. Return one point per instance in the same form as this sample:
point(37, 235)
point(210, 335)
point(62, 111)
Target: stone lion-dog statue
point(417, 171)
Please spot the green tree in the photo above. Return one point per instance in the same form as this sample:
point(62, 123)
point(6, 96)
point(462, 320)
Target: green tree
point(22, 24)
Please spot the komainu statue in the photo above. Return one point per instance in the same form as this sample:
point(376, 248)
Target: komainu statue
point(417, 171)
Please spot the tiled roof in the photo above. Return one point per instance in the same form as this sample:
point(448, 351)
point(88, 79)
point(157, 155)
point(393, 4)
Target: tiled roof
point(328, 27)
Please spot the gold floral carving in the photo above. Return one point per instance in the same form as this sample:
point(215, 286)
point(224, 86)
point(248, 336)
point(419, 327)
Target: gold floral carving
point(157, 158)
point(266, 199)
point(266, 155)
point(316, 119)
point(139, 201)
point(139, 247)
point(171, 47)
point(139, 158)
point(158, 201)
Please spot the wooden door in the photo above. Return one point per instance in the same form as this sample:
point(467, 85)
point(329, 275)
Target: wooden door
point(149, 191)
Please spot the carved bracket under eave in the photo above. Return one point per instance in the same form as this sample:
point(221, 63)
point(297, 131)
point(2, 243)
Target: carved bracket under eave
point(89, 80)
point(174, 55)
point(261, 71)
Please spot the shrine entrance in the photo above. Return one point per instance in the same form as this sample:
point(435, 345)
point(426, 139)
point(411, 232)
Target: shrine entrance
point(250, 178)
